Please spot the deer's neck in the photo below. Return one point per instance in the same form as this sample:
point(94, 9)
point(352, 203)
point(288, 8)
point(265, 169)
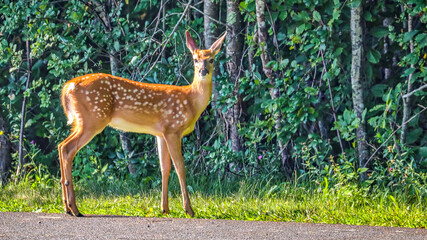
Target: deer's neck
point(201, 91)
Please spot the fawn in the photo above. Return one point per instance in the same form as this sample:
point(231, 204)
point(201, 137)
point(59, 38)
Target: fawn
point(94, 101)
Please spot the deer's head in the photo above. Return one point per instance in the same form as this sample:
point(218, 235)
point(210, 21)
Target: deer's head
point(203, 59)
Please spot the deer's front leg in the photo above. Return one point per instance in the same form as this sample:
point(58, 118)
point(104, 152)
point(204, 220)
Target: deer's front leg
point(173, 142)
point(165, 166)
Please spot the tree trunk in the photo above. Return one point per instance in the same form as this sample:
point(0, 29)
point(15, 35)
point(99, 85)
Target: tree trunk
point(282, 150)
point(23, 109)
point(357, 84)
point(210, 10)
point(234, 52)
point(5, 146)
point(387, 70)
point(210, 33)
point(407, 100)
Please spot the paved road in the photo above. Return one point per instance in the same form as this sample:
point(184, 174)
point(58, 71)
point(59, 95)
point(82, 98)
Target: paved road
point(61, 226)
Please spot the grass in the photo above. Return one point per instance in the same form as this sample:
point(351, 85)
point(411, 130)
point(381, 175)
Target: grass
point(262, 201)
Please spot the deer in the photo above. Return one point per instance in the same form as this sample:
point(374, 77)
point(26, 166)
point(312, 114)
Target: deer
point(94, 101)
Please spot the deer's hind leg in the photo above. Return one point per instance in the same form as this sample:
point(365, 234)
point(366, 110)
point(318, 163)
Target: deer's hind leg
point(67, 151)
point(64, 195)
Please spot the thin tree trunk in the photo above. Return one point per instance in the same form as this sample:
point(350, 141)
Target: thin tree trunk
point(210, 10)
point(274, 92)
point(407, 100)
point(357, 84)
point(164, 53)
point(251, 52)
point(210, 33)
point(5, 146)
point(387, 71)
point(234, 52)
point(21, 129)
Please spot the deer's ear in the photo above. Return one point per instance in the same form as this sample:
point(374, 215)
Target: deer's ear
point(216, 46)
point(190, 42)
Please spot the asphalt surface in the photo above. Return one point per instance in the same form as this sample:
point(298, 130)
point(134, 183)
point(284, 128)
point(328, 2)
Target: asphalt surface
point(22, 225)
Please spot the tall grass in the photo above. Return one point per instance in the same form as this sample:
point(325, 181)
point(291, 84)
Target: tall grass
point(218, 199)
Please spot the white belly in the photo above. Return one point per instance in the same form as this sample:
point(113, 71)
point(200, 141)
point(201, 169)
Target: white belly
point(127, 126)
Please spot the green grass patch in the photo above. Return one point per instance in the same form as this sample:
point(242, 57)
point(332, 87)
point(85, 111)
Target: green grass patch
point(262, 201)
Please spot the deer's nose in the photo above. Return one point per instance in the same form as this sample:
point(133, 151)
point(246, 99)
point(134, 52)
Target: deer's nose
point(204, 72)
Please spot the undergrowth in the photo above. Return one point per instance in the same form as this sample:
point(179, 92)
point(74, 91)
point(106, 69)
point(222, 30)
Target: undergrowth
point(218, 199)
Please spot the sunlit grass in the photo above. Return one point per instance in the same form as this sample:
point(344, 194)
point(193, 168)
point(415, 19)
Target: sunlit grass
point(242, 201)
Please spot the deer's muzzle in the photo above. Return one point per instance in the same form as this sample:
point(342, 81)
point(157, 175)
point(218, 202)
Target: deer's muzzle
point(204, 72)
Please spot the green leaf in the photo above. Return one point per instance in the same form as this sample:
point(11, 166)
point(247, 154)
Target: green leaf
point(379, 32)
point(281, 36)
point(310, 90)
point(300, 29)
point(373, 56)
point(116, 45)
point(408, 71)
point(296, 39)
point(283, 15)
point(284, 63)
point(37, 65)
point(354, 3)
point(336, 14)
point(243, 4)
point(367, 16)
point(378, 89)
point(421, 39)
point(338, 51)
point(104, 168)
point(301, 16)
point(347, 116)
point(316, 16)
point(409, 35)
point(423, 152)
point(413, 135)
point(301, 58)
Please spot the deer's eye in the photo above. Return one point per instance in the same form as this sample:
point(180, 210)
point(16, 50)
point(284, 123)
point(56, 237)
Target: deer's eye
point(211, 61)
point(196, 61)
